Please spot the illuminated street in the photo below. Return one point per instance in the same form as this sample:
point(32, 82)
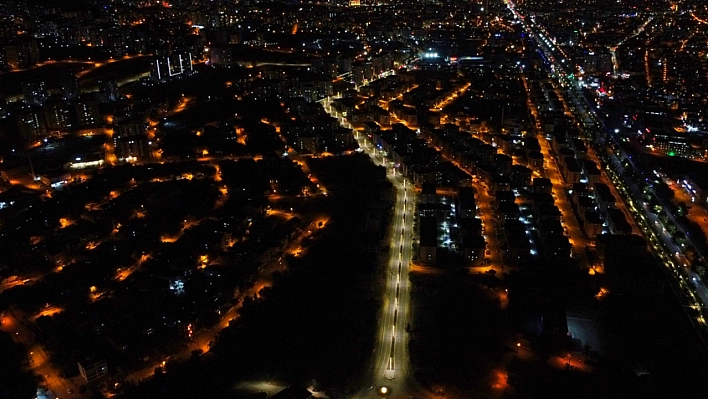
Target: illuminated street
point(202, 340)
point(391, 364)
point(38, 359)
point(661, 243)
point(357, 199)
point(490, 228)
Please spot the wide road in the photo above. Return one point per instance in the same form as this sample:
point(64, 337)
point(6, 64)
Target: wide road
point(390, 374)
point(661, 242)
point(391, 365)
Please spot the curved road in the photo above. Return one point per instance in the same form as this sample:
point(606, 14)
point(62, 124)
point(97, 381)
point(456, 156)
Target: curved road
point(390, 372)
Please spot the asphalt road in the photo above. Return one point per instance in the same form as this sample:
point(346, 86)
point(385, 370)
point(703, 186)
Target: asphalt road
point(670, 253)
point(390, 368)
point(39, 363)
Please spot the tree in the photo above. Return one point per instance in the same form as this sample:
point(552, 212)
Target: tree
point(586, 350)
point(16, 382)
point(663, 191)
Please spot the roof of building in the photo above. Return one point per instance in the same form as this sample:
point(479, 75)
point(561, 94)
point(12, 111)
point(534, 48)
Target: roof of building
point(292, 393)
point(428, 232)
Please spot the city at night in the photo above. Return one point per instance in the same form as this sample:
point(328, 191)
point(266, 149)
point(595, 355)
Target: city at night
point(353, 199)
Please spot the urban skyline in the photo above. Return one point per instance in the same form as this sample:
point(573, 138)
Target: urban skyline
point(353, 199)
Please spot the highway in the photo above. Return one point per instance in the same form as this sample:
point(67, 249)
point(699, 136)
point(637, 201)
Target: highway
point(661, 243)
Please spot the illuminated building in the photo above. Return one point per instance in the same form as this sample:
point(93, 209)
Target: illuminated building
point(171, 66)
point(30, 123)
point(87, 112)
point(130, 141)
point(35, 93)
point(54, 178)
point(221, 56)
point(57, 115)
point(23, 53)
point(670, 143)
point(91, 371)
point(109, 89)
point(69, 87)
point(428, 240)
